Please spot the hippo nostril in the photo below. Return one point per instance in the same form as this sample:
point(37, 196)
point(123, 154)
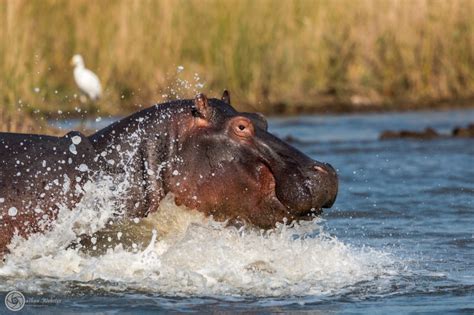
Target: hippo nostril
point(320, 169)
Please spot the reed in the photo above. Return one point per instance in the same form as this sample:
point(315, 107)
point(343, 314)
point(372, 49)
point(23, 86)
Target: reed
point(266, 52)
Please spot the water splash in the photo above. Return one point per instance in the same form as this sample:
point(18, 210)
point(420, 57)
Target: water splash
point(182, 85)
point(177, 251)
point(183, 252)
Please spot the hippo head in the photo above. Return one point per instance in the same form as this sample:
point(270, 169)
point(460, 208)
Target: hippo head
point(228, 165)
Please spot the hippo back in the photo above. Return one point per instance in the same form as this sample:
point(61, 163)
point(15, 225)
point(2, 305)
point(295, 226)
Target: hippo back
point(38, 173)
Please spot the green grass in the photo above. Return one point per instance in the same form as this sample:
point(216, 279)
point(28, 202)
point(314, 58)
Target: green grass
point(265, 52)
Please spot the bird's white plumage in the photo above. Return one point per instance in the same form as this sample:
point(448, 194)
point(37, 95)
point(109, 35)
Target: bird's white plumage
point(85, 79)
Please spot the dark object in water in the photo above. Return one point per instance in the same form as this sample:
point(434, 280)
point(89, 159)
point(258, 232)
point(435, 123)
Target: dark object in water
point(294, 140)
point(427, 134)
point(464, 132)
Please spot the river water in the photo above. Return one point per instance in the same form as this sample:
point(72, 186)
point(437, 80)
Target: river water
point(399, 239)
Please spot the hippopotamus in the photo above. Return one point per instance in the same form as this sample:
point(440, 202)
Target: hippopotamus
point(205, 153)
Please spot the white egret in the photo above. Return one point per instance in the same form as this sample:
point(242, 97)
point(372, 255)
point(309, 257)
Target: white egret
point(86, 80)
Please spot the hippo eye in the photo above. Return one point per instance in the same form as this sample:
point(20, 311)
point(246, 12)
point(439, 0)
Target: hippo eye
point(242, 127)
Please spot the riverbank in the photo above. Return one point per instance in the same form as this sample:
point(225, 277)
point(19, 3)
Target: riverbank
point(29, 121)
point(283, 57)
point(358, 104)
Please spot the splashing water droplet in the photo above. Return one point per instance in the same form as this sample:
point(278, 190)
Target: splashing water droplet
point(12, 211)
point(76, 140)
point(72, 149)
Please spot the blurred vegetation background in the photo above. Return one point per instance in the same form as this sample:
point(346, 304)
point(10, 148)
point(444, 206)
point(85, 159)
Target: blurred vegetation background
point(274, 56)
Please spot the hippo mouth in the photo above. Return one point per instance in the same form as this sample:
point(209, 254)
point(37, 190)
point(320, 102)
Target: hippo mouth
point(304, 207)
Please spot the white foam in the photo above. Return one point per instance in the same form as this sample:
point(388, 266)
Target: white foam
point(188, 254)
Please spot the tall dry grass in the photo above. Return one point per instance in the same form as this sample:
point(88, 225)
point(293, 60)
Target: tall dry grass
point(266, 51)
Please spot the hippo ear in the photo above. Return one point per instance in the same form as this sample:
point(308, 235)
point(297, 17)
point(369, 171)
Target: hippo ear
point(201, 106)
point(226, 97)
